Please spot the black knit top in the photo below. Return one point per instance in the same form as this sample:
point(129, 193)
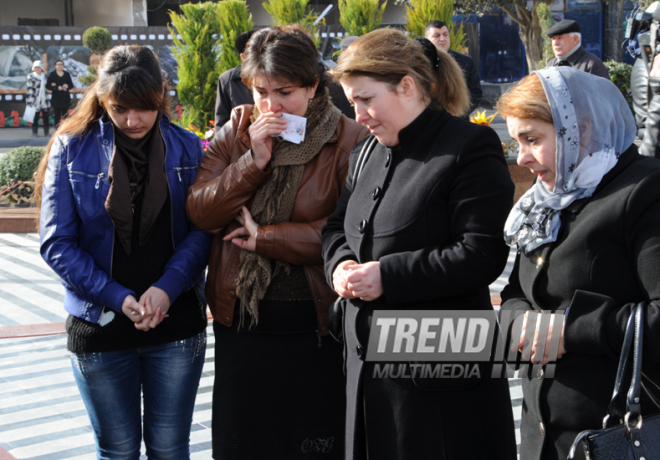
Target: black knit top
point(138, 271)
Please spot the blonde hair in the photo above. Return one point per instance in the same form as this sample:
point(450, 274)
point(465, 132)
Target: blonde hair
point(387, 55)
point(526, 99)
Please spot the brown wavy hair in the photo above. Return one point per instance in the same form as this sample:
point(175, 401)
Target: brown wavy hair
point(387, 55)
point(129, 74)
point(526, 99)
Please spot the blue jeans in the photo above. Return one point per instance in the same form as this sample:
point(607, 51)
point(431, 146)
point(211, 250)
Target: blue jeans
point(110, 384)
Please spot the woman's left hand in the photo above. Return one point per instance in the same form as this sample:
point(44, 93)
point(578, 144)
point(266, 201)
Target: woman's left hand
point(535, 357)
point(159, 302)
point(365, 282)
point(249, 228)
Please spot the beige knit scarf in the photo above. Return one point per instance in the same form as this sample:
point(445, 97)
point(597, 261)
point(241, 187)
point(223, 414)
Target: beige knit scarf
point(274, 200)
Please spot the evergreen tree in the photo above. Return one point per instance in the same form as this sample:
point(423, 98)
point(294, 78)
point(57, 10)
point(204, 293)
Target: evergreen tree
point(421, 12)
point(359, 17)
point(98, 40)
point(546, 20)
point(234, 19)
point(285, 12)
point(197, 55)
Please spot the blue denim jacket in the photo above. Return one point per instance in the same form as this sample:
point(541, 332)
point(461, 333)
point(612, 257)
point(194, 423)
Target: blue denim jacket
point(77, 234)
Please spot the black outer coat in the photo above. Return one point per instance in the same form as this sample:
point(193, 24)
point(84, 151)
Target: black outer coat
point(232, 92)
point(60, 98)
point(471, 73)
point(432, 213)
point(585, 61)
point(606, 259)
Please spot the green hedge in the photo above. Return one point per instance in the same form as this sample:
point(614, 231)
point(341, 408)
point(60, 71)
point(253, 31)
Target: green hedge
point(620, 76)
point(19, 164)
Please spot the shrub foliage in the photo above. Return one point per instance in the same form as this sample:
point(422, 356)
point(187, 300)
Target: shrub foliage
point(359, 17)
point(421, 12)
point(98, 40)
point(19, 164)
point(620, 76)
point(197, 54)
point(234, 19)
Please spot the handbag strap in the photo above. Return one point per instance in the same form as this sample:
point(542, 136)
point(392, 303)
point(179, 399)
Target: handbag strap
point(632, 342)
point(633, 407)
point(367, 148)
point(631, 348)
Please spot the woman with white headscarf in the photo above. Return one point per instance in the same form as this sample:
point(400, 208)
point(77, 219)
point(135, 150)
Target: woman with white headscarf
point(36, 97)
point(588, 236)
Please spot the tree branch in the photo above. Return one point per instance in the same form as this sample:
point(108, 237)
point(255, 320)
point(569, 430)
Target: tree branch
point(523, 12)
point(512, 15)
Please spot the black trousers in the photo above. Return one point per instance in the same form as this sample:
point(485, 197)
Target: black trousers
point(35, 123)
point(59, 114)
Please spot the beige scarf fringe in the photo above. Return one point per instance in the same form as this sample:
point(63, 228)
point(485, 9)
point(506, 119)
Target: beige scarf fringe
point(274, 200)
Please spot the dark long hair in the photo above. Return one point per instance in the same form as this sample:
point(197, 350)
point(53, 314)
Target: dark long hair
point(129, 74)
point(284, 53)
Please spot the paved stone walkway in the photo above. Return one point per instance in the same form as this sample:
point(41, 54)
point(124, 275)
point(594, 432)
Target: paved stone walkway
point(41, 414)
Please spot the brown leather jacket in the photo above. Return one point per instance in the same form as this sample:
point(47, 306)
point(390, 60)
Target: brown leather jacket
point(228, 179)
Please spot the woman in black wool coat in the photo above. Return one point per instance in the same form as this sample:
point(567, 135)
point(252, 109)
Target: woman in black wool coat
point(588, 232)
point(60, 83)
point(421, 230)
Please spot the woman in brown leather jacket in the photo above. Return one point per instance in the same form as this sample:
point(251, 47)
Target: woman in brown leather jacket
point(279, 385)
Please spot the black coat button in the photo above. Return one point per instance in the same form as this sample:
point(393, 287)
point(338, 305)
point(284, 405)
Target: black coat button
point(363, 226)
point(360, 351)
point(376, 193)
point(387, 160)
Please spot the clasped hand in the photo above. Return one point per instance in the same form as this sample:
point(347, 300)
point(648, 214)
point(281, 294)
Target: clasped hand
point(536, 358)
point(352, 280)
point(149, 311)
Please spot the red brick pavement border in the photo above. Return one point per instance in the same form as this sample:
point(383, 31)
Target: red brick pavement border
point(18, 220)
point(38, 330)
point(4, 455)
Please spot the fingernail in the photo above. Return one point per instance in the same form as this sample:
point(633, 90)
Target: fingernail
point(160, 309)
point(133, 312)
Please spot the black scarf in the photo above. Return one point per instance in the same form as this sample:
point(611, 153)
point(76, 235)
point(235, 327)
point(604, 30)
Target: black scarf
point(136, 165)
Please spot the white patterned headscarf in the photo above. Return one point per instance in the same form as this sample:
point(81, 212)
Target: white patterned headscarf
point(593, 126)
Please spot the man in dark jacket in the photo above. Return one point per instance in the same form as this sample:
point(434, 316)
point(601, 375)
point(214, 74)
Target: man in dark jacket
point(650, 119)
point(232, 91)
point(438, 33)
point(568, 49)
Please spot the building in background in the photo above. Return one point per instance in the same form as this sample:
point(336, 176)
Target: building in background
point(493, 40)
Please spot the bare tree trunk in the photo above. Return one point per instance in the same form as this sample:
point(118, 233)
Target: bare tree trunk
point(613, 16)
point(530, 31)
point(532, 38)
point(618, 31)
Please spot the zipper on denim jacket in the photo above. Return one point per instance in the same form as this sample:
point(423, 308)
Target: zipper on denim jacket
point(178, 170)
point(98, 177)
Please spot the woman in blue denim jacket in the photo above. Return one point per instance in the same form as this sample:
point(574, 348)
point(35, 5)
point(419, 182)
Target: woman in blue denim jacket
point(114, 228)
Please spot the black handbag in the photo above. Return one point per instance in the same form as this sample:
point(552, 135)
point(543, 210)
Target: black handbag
point(335, 316)
point(625, 436)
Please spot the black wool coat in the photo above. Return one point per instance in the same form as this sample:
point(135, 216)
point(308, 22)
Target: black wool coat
point(60, 98)
point(432, 212)
point(471, 74)
point(606, 259)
